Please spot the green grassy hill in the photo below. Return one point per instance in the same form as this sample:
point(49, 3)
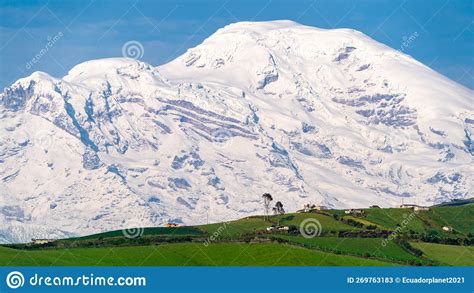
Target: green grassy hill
point(451, 255)
point(461, 218)
point(236, 228)
point(376, 237)
point(368, 247)
point(144, 232)
point(390, 218)
point(328, 223)
point(184, 254)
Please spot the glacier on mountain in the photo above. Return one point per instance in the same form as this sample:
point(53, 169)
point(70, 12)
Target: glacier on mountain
point(309, 115)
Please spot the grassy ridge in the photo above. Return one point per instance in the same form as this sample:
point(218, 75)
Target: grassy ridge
point(452, 255)
point(328, 223)
point(257, 223)
point(144, 232)
point(461, 218)
point(184, 254)
point(390, 218)
point(235, 228)
point(358, 246)
point(345, 240)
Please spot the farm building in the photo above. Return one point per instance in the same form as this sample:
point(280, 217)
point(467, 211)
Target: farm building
point(447, 229)
point(354, 212)
point(321, 208)
point(278, 228)
point(309, 207)
point(41, 241)
point(171, 225)
point(414, 207)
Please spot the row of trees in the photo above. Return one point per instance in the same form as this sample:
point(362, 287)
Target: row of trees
point(277, 209)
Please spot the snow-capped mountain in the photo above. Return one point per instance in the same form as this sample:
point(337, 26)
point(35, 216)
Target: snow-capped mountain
point(310, 115)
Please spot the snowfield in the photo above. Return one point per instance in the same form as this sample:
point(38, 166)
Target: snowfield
point(309, 115)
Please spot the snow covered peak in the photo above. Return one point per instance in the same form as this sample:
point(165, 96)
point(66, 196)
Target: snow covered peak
point(102, 67)
point(265, 27)
point(117, 72)
point(262, 26)
point(42, 79)
point(269, 56)
point(262, 51)
point(310, 115)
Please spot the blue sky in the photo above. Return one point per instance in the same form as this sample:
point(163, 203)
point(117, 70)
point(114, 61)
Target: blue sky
point(439, 33)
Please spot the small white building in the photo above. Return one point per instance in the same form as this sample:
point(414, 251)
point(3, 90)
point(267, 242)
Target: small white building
point(407, 206)
point(414, 207)
point(308, 207)
point(41, 241)
point(420, 208)
point(321, 208)
point(353, 212)
point(447, 229)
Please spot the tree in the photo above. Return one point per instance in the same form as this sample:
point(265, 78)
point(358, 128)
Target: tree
point(275, 211)
point(278, 209)
point(267, 198)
